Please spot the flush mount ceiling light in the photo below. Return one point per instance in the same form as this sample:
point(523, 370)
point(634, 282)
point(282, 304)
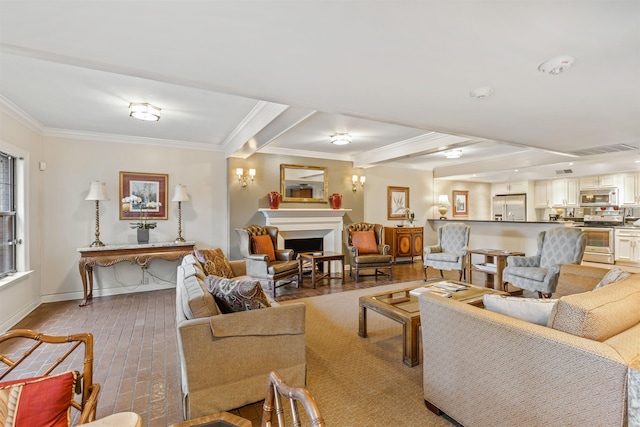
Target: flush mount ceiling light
point(144, 111)
point(341, 139)
point(453, 154)
point(557, 65)
point(481, 92)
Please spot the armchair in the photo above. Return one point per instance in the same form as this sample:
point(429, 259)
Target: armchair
point(539, 273)
point(258, 246)
point(366, 250)
point(450, 252)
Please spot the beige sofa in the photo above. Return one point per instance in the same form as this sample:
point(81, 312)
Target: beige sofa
point(483, 368)
point(225, 359)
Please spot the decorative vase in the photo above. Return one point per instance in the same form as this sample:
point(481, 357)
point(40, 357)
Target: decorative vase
point(143, 235)
point(274, 199)
point(336, 200)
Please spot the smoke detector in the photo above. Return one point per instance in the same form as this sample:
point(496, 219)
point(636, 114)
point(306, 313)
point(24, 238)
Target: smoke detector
point(557, 65)
point(481, 92)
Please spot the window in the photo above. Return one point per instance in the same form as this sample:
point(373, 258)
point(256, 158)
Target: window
point(8, 239)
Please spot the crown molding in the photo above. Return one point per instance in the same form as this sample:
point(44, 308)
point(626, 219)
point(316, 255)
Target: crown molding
point(20, 115)
point(125, 139)
point(305, 153)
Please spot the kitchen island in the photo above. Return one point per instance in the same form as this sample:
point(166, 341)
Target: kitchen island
point(504, 235)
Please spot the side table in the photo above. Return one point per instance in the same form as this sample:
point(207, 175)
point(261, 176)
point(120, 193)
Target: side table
point(494, 262)
point(314, 258)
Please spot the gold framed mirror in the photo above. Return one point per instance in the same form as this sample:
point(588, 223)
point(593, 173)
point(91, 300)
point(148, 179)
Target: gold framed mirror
point(304, 184)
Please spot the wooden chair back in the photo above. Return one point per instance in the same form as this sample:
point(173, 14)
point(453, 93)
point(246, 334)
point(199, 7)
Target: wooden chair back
point(20, 347)
point(277, 390)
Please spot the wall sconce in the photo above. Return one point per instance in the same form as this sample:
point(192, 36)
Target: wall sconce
point(358, 182)
point(97, 192)
point(443, 205)
point(180, 195)
point(243, 179)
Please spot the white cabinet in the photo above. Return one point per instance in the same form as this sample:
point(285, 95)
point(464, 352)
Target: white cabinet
point(564, 192)
point(542, 194)
point(627, 245)
point(587, 182)
point(509, 188)
point(630, 190)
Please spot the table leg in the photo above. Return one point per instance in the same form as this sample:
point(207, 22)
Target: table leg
point(86, 274)
point(342, 266)
point(300, 263)
point(313, 272)
point(362, 321)
point(410, 342)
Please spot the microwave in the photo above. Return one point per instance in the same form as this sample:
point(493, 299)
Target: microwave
point(599, 197)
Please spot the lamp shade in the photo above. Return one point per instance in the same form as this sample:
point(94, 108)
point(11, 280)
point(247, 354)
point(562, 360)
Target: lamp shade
point(180, 194)
point(443, 200)
point(97, 191)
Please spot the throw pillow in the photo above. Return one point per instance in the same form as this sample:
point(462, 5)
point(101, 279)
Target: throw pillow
point(214, 262)
point(612, 276)
point(23, 400)
point(237, 295)
point(365, 241)
point(532, 310)
point(263, 245)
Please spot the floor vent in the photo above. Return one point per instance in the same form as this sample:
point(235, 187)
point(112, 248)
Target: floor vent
point(603, 150)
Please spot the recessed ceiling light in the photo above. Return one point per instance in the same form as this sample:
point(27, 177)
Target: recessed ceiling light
point(557, 65)
point(481, 92)
point(453, 154)
point(144, 111)
point(341, 139)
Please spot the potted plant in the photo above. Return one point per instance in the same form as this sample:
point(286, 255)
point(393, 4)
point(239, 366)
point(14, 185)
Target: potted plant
point(143, 225)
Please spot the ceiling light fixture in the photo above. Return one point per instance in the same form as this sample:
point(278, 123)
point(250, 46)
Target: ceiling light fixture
point(144, 111)
point(481, 92)
point(341, 139)
point(557, 65)
point(453, 154)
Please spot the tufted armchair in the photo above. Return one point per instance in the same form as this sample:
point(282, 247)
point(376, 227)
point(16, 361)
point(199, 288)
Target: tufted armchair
point(272, 268)
point(366, 250)
point(539, 273)
point(450, 252)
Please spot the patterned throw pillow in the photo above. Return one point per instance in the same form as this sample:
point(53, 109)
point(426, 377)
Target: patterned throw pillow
point(22, 402)
point(614, 275)
point(214, 262)
point(236, 295)
point(263, 245)
point(365, 241)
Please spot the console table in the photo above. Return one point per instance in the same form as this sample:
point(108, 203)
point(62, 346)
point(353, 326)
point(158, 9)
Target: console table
point(105, 256)
point(404, 241)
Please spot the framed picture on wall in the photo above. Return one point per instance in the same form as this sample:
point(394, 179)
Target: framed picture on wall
point(143, 194)
point(460, 203)
point(397, 202)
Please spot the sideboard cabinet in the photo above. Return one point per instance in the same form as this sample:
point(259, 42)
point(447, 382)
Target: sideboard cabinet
point(404, 241)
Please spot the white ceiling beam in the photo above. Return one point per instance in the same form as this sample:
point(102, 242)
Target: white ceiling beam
point(257, 119)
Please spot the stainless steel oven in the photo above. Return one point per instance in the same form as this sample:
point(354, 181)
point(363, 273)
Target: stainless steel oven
point(600, 244)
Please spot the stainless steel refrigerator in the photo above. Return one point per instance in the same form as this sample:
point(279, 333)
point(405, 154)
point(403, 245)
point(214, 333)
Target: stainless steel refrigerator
point(510, 207)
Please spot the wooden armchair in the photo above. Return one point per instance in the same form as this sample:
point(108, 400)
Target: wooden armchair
point(21, 349)
point(278, 389)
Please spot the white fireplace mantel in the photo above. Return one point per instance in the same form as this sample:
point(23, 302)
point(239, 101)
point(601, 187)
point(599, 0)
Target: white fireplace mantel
point(308, 223)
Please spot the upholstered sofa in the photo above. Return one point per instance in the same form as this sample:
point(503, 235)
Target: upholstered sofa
point(484, 368)
point(225, 359)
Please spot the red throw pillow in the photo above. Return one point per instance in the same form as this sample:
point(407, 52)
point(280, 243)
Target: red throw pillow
point(263, 245)
point(365, 241)
point(42, 401)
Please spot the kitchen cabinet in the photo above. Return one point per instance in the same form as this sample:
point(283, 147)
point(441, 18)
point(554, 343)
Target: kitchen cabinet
point(564, 192)
point(627, 245)
point(404, 241)
point(630, 189)
point(588, 182)
point(542, 194)
point(509, 188)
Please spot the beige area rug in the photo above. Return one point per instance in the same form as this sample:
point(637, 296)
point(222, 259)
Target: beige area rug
point(361, 381)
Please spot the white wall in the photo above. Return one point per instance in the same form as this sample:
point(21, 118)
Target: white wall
point(21, 296)
point(69, 221)
point(420, 185)
point(479, 203)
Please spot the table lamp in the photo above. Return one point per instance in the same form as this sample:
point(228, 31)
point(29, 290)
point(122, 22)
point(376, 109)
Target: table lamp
point(97, 192)
point(180, 195)
point(443, 205)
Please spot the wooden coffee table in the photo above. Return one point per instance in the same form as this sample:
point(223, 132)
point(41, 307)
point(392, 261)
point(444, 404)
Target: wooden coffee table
point(401, 306)
point(314, 258)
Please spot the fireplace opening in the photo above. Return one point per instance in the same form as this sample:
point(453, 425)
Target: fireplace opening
point(311, 244)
